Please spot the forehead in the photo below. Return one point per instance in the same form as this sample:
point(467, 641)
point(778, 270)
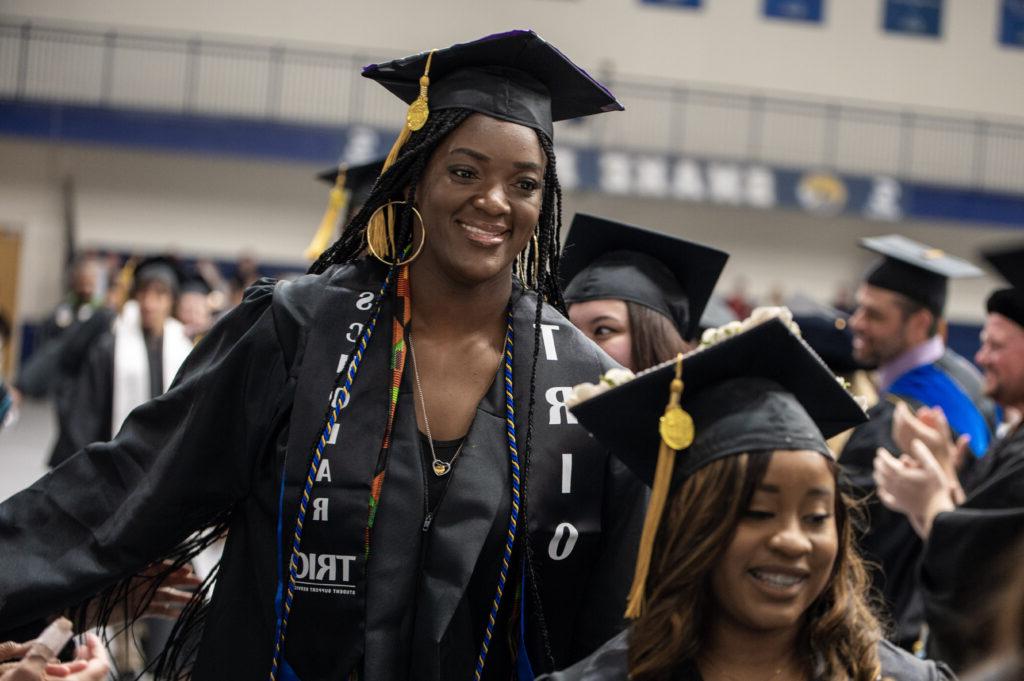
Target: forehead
point(500, 141)
point(153, 286)
point(799, 471)
point(1003, 328)
point(594, 309)
point(869, 295)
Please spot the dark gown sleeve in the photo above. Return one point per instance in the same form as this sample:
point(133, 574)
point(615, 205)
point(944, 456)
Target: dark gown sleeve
point(92, 396)
point(602, 615)
point(899, 665)
point(890, 546)
point(608, 663)
point(180, 461)
point(962, 570)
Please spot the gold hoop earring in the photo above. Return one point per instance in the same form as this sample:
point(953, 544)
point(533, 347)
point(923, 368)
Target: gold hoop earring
point(536, 260)
point(387, 240)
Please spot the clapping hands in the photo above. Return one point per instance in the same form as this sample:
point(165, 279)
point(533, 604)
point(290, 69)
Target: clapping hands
point(923, 481)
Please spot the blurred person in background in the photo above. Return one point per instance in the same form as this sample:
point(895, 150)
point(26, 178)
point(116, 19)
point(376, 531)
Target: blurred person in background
point(900, 307)
point(395, 508)
point(350, 187)
point(827, 330)
point(8, 407)
point(739, 299)
point(193, 307)
point(42, 374)
point(636, 293)
point(134, 360)
point(65, 340)
point(966, 531)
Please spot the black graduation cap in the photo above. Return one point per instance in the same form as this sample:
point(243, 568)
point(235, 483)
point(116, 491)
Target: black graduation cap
point(1009, 263)
point(827, 330)
point(607, 259)
point(158, 268)
point(1008, 302)
point(915, 270)
point(762, 389)
point(359, 180)
point(194, 283)
point(515, 76)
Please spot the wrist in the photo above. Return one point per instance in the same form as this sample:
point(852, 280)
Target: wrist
point(939, 503)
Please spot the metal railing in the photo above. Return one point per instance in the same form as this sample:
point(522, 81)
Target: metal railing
point(201, 75)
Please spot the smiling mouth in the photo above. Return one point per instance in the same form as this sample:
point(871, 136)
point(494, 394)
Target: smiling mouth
point(782, 581)
point(485, 234)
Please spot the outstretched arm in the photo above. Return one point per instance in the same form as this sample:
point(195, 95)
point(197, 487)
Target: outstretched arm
point(180, 461)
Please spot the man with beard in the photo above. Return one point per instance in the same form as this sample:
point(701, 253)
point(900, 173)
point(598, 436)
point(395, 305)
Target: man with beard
point(966, 540)
point(896, 329)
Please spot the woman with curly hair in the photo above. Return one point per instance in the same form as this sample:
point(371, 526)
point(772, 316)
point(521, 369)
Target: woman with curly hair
point(748, 569)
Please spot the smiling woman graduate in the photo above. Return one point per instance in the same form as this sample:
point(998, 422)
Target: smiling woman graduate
point(747, 567)
point(385, 440)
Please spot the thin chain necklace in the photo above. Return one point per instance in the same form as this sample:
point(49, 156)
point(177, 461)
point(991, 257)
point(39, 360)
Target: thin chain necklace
point(439, 466)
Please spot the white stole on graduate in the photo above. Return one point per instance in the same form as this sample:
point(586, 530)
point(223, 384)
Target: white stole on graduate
point(131, 362)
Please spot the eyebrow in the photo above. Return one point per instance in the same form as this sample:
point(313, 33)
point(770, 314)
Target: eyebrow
point(483, 158)
point(812, 492)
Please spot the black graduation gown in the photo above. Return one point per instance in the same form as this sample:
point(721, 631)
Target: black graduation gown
point(890, 542)
point(965, 556)
point(248, 405)
point(611, 663)
point(56, 370)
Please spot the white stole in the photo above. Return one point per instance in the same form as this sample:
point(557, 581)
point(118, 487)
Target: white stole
point(131, 362)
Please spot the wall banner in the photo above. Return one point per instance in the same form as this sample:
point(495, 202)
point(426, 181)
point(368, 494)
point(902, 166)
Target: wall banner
point(913, 17)
point(619, 173)
point(1011, 23)
point(810, 11)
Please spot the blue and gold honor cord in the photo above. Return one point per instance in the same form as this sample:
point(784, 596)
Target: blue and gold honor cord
point(314, 465)
point(340, 402)
point(513, 520)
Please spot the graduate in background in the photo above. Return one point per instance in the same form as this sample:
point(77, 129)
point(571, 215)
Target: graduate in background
point(385, 440)
point(636, 293)
point(747, 567)
point(135, 360)
point(192, 307)
point(896, 328)
point(65, 340)
point(967, 540)
point(350, 187)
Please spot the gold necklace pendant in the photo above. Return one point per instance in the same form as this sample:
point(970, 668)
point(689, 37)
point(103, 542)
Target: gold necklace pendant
point(441, 468)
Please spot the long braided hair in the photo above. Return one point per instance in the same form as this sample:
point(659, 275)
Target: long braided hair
point(540, 272)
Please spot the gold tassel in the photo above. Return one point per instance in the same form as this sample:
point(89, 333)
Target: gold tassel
point(676, 428)
point(123, 283)
point(335, 206)
point(380, 232)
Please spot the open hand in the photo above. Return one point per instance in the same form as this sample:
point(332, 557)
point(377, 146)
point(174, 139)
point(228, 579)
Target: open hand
point(915, 485)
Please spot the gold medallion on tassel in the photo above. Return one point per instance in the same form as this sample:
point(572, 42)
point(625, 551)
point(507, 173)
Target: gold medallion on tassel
point(676, 428)
point(416, 116)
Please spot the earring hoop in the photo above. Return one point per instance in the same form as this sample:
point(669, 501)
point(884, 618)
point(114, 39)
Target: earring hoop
point(389, 238)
